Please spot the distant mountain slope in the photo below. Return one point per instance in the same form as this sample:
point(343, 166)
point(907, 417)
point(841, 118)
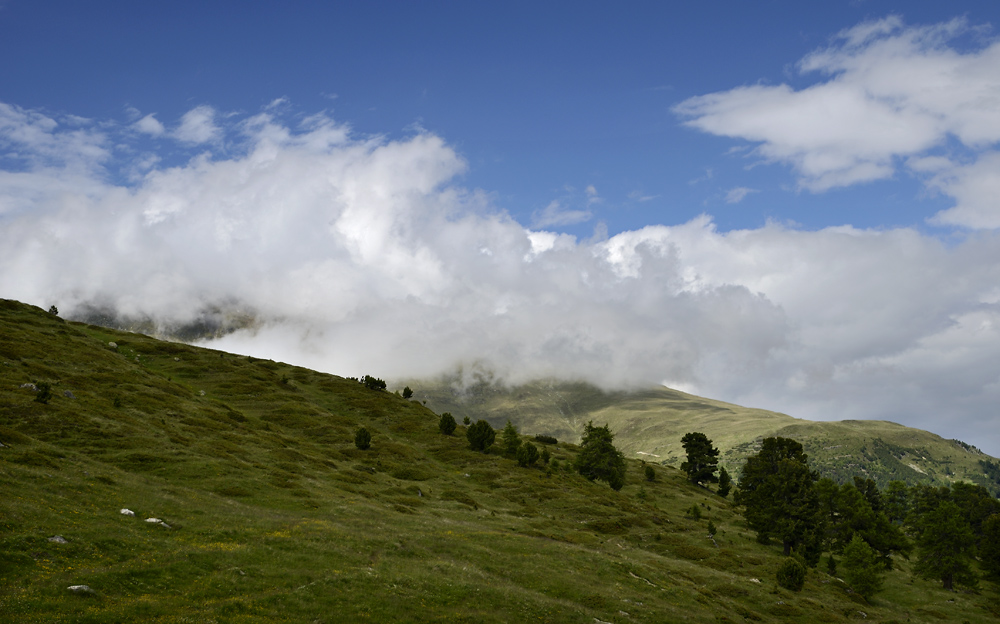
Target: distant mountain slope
point(650, 423)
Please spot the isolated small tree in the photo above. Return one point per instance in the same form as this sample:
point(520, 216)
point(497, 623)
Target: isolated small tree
point(702, 458)
point(545, 456)
point(711, 528)
point(407, 392)
point(725, 483)
point(44, 392)
point(54, 311)
point(447, 423)
point(527, 454)
point(598, 458)
point(649, 473)
point(363, 439)
point(792, 574)
point(862, 568)
point(480, 436)
point(510, 441)
point(695, 512)
point(831, 565)
point(466, 421)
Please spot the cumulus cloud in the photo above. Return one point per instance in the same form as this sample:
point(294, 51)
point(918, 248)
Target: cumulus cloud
point(888, 94)
point(360, 255)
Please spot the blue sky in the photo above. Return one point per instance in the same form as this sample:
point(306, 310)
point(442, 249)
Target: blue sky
point(782, 204)
point(542, 99)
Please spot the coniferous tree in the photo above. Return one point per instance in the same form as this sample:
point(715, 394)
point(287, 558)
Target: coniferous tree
point(363, 439)
point(725, 483)
point(447, 423)
point(945, 546)
point(598, 458)
point(407, 392)
point(527, 454)
point(989, 549)
point(702, 458)
point(779, 499)
point(480, 436)
point(509, 440)
point(862, 568)
point(896, 501)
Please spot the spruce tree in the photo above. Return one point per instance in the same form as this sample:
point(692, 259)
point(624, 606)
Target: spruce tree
point(447, 423)
point(527, 454)
point(363, 439)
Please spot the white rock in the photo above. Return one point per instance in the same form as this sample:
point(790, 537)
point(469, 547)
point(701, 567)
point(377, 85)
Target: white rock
point(113, 345)
point(127, 512)
point(58, 539)
point(155, 520)
point(80, 589)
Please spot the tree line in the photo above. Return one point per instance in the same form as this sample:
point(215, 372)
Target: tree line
point(953, 531)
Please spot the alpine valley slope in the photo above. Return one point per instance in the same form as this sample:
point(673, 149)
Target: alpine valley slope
point(269, 513)
point(649, 425)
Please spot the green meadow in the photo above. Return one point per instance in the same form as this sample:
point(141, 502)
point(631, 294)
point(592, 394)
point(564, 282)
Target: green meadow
point(269, 513)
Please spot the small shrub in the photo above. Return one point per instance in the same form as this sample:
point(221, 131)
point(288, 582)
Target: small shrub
point(554, 465)
point(363, 439)
point(792, 575)
point(831, 565)
point(694, 512)
point(117, 402)
point(545, 456)
point(447, 423)
point(545, 439)
point(711, 528)
point(44, 392)
point(650, 473)
point(466, 421)
point(407, 393)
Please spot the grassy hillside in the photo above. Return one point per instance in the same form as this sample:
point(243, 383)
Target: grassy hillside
point(650, 424)
point(270, 514)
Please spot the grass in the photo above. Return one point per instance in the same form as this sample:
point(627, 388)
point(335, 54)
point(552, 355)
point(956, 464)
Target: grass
point(275, 516)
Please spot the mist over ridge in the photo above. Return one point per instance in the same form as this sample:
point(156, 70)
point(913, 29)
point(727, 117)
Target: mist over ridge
point(354, 254)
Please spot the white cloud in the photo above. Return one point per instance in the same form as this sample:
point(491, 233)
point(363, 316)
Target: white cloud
point(555, 215)
point(361, 255)
point(149, 125)
point(198, 126)
point(889, 92)
point(738, 194)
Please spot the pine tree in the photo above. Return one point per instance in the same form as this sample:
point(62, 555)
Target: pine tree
point(945, 546)
point(598, 458)
point(862, 568)
point(779, 500)
point(363, 439)
point(480, 436)
point(447, 423)
point(702, 458)
point(527, 454)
